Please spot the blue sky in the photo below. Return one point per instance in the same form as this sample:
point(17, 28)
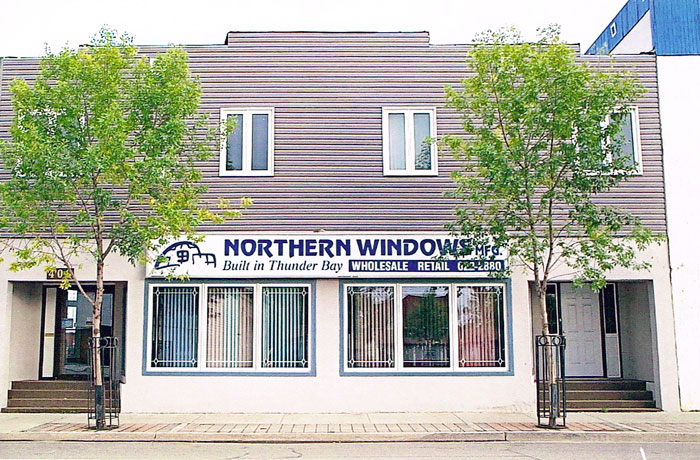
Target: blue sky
point(25, 26)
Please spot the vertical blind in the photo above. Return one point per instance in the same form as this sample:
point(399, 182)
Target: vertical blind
point(230, 327)
point(371, 326)
point(425, 317)
point(175, 326)
point(480, 326)
point(285, 317)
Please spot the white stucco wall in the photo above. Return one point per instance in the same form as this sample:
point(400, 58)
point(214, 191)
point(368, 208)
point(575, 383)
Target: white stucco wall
point(679, 98)
point(24, 339)
point(635, 331)
point(328, 391)
point(637, 40)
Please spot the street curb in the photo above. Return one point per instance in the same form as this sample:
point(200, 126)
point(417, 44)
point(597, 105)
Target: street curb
point(289, 438)
point(602, 436)
point(258, 437)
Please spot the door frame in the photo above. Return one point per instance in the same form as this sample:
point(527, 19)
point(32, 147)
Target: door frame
point(601, 315)
point(108, 285)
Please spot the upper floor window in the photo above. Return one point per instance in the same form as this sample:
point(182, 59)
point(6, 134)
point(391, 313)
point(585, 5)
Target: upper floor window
point(248, 149)
point(630, 151)
point(406, 149)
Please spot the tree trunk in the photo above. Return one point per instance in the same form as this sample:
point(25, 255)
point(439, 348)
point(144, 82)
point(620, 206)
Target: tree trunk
point(97, 356)
point(550, 360)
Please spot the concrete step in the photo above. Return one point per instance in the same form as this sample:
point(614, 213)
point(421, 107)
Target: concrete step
point(617, 409)
point(613, 404)
point(44, 410)
point(50, 385)
point(67, 403)
point(582, 395)
point(48, 394)
point(598, 384)
point(70, 396)
point(53, 402)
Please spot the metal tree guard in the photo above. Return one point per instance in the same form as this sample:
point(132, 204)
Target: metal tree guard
point(108, 350)
point(550, 382)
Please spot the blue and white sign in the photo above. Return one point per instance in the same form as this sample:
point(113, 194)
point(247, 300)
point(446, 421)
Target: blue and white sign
point(326, 255)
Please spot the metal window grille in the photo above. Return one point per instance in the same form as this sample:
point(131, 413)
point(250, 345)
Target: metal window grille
point(371, 326)
point(285, 319)
point(230, 327)
point(175, 326)
point(426, 326)
point(480, 331)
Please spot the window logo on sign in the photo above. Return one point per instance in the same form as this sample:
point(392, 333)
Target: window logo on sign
point(181, 253)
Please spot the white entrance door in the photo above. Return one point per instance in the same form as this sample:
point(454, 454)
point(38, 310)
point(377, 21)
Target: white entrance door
point(580, 316)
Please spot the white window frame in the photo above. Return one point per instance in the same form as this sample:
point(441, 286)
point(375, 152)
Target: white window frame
point(248, 141)
point(410, 170)
point(399, 367)
point(202, 336)
point(636, 142)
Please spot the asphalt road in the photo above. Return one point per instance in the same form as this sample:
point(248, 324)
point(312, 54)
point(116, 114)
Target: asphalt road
point(365, 451)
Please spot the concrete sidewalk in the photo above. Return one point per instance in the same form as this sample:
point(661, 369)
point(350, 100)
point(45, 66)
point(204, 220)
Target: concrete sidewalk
point(360, 427)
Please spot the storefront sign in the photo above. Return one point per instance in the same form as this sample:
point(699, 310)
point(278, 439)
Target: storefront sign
point(326, 256)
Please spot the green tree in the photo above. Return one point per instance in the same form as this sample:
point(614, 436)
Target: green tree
point(428, 321)
point(102, 161)
point(540, 146)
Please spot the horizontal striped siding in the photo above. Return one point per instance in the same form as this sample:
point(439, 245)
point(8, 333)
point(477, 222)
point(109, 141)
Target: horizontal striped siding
point(328, 91)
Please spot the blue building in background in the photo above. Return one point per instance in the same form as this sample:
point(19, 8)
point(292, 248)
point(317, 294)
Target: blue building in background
point(669, 28)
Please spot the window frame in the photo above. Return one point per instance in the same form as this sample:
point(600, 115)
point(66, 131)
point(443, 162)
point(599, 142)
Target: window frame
point(410, 170)
point(202, 336)
point(399, 369)
point(633, 111)
point(247, 142)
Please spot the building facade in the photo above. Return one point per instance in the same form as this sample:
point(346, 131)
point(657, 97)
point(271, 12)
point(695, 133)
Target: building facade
point(326, 295)
point(670, 30)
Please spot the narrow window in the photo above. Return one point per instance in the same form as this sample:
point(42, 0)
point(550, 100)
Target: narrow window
point(421, 123)
point(407, 149)
point(626, 139)
point(552, 309)
point(609, 308)
point(397, 141)
point(285, 318)
point(371, 326)
point(234, 145)
point(480, 328)
point(260, 141)
point(175, 326)
point(248, 148)
point(230, 327)
point(627, 152)
point(426, 326)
